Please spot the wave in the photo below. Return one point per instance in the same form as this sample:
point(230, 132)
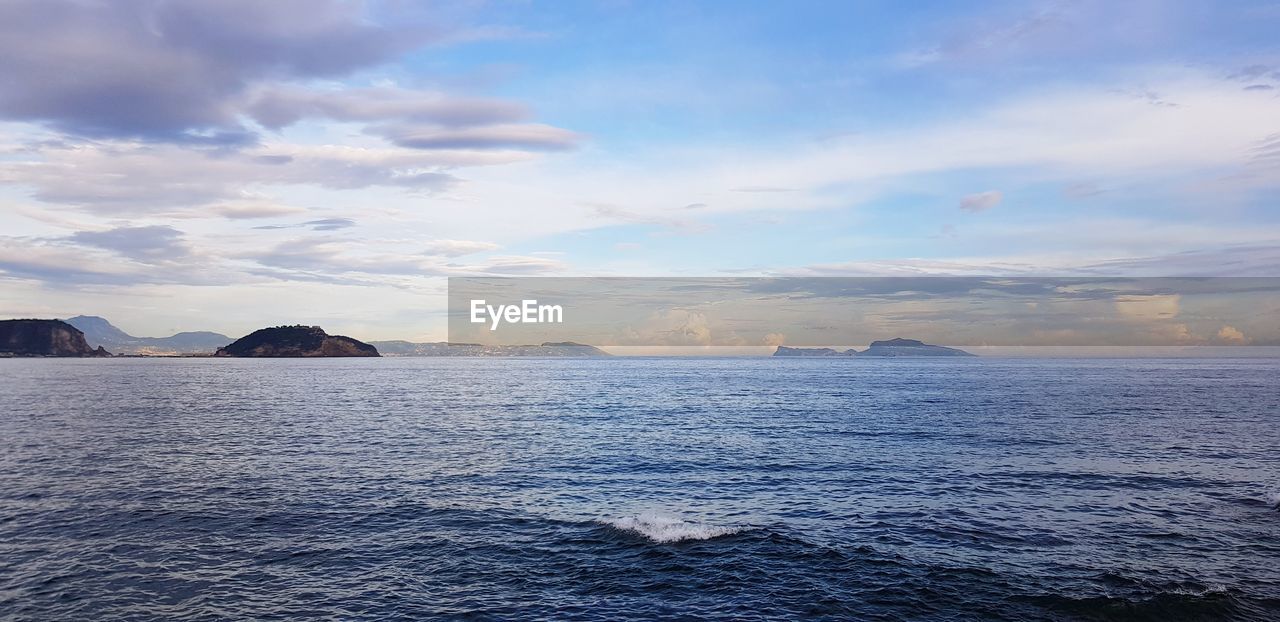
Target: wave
point(665, 529)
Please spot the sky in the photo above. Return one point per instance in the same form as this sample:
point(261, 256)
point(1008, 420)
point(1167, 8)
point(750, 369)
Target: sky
point(232, 164)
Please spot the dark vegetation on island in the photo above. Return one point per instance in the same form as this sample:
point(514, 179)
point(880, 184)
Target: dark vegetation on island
point(887, 348)
point(295, 342)
point(44, 338)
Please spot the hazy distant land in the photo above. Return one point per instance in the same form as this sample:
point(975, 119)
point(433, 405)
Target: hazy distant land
point(99, 332)
point(79, 335)
point(888, 348)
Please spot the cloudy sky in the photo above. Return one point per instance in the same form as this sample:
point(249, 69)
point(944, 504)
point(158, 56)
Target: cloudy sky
point(224, 165)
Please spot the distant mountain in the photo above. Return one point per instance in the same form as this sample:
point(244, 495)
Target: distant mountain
point(909, 347)
point(295, 342)
point(44, 338)
point(887, 348)
point(444, 348)
point(99, 332)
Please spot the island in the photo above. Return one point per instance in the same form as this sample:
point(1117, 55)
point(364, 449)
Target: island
point(562, 349)
point(44, 338)
point(295, 342)
point(888, 348)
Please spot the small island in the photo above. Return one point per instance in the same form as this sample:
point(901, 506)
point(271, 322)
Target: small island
point(295, 342)
point(44, 338)
point(888, 348)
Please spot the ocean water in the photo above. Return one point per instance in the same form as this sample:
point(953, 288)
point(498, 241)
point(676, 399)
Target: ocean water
point(749, 489)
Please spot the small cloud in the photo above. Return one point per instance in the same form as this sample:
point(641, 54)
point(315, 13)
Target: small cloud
point(245, 211)
point(677, 225)
point(457, 248)
point(1253, 72)
point(322, 224)
point(329, 224)
point(273, 159)
point(1259, 87)
point(774, 339)
point(627, 246)
point(1082, 190)
point(695, 206)
point(532, 136)
point(522, 265)
point(981, 201)
point(1230, 334)
point(1153, 98)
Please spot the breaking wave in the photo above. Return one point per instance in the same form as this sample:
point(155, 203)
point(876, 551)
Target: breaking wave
point(666, 529)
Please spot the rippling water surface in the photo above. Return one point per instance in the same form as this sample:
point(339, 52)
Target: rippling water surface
point(639, 488)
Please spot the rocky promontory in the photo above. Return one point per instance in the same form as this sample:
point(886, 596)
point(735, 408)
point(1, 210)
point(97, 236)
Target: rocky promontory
point(44, 338)
point(295, 342)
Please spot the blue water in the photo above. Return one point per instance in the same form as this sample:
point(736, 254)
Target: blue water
point(983, 489)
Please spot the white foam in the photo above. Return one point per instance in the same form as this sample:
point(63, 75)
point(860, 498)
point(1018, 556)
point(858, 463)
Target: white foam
point(665, 529)
point(1274, 499)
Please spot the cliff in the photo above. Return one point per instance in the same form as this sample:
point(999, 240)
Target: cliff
point(295, 342)
point(887, 348)
point(44, 338)
point(99, 332)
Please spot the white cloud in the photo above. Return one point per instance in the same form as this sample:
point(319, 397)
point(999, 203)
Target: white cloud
point(249, 209)
point(1056, 134)
point(457, 248)
point(1230, 334)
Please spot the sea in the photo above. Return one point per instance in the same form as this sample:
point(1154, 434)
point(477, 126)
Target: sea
point(640, 489)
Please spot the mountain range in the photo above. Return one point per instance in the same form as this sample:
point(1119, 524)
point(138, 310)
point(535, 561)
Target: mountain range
point(99, 332)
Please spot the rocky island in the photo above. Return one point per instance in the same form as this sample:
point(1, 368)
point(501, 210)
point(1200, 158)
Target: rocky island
point(44, 338)
point(295, 342)
point(887, 348)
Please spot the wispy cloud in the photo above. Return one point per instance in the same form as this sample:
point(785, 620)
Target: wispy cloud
point(322, 224)
point(981, 201)
point(177, 71)
point(145, 244)
point(457, 248)
point(675, 225)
